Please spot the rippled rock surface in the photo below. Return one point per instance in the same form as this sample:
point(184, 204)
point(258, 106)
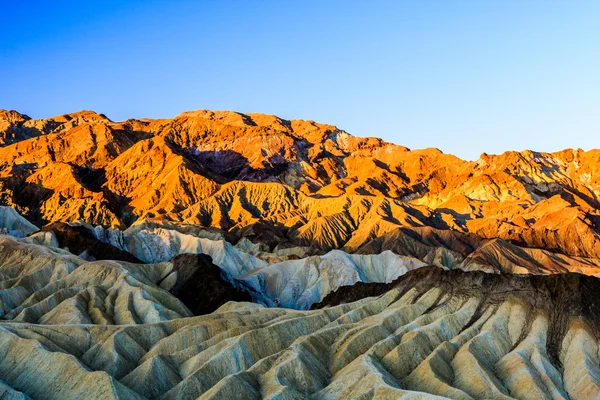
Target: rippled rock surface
point(454, 334)
point(48, 285)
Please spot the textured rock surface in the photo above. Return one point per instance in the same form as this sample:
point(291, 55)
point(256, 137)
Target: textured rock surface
point(12, 223)
point(299, 182)
point(81, 241)
point(289, 283)
point(158, 242)
point(300, 283)
point(51, 286)
point(42, 283)
point(289, 277)
point(226, 206)
point(450, 334)
point(452, 249)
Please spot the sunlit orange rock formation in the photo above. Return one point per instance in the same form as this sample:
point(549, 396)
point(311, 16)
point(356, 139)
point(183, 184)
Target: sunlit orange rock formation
point(301, 182)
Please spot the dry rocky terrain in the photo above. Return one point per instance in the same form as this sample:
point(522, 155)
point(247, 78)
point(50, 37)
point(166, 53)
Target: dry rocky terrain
point(275, 181)
point(431, 334)
point(221, 255)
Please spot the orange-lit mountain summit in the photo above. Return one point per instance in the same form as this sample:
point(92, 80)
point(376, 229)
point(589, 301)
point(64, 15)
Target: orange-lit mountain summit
point(303, 182)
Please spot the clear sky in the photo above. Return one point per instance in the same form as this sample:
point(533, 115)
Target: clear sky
point(463, 76)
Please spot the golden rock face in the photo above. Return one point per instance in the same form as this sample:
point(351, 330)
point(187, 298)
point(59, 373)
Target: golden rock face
point(309, 183)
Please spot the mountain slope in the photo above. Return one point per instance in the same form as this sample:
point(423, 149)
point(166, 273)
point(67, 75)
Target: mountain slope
point(450, 334)
point(295, 182)
point(46, 285)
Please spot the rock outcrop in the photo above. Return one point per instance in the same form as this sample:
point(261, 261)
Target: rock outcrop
point(79, 240)
point(300, 283)
point(290, 183)
point(13, 224)
point(430, 334)
point(452, 249)
point(42, 283)
point(220, 255)
point(288, 277)
point(46, 285)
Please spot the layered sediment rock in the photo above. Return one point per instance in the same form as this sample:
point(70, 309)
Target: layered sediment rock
point(290, 278)
point(287, 276)
point(46, 285)
point(300, 283)
point(43, 283)
point(452, 249)
point(434, 333)
point(80, 240)
point(225, 208)
point(12, 223)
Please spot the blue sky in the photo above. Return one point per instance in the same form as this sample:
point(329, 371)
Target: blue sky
point(463, 76)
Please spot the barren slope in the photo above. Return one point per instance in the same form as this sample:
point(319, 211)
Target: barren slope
point(46, 285)
point(297, 182)
point(454, 334)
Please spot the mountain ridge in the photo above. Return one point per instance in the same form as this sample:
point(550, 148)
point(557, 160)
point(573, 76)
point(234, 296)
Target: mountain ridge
point(305, 183)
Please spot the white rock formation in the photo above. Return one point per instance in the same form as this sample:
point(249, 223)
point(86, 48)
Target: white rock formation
point(291, 283)
point(13, 224)
point(46, 285)
point(156, 244)
point(300, 283)
point(51, 279)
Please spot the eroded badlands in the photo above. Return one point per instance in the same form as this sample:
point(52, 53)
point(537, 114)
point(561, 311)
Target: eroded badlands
point(221, 255)
point(451, 334)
